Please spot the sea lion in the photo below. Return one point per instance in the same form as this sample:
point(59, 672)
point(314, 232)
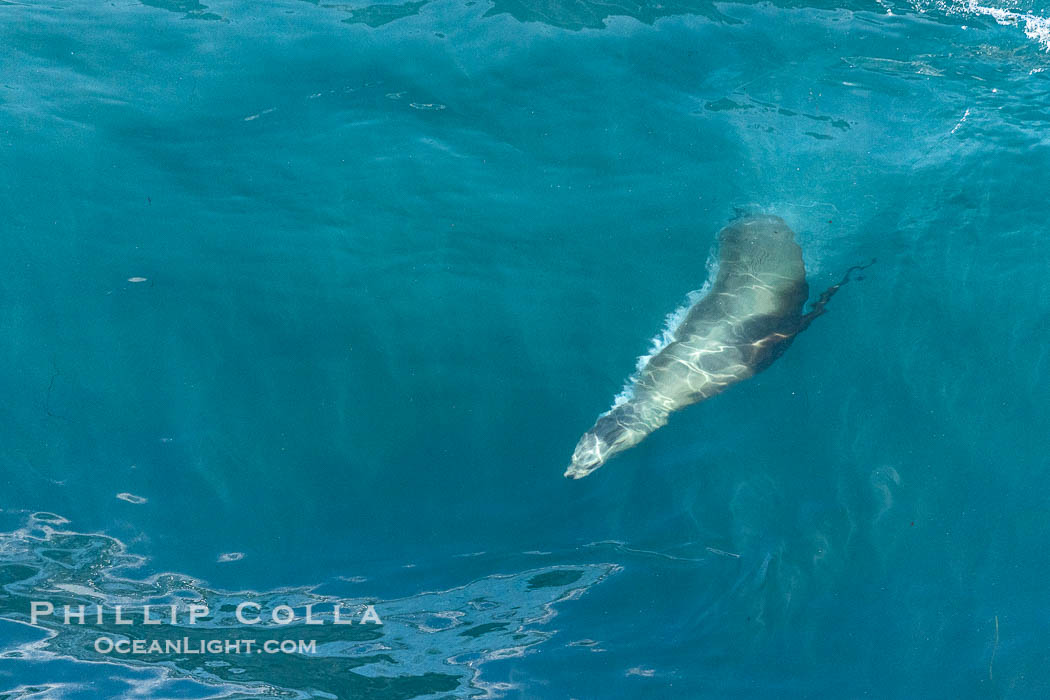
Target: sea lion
point(746, 320)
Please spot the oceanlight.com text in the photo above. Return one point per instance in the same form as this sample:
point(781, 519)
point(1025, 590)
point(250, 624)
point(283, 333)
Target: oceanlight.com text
point(214, 647)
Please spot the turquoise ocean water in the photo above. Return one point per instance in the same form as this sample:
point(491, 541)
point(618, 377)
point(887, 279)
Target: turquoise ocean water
point(309, 302)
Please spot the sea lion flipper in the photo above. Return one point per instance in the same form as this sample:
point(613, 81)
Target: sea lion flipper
point(817, 307)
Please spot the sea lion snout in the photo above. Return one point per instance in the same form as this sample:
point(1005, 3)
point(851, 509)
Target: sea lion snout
point(588, 456)
point(613, 433)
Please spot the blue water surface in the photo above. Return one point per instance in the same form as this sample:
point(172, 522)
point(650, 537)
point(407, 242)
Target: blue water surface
point(308, 299)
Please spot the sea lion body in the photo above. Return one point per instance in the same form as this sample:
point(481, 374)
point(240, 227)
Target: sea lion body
point(746, 320)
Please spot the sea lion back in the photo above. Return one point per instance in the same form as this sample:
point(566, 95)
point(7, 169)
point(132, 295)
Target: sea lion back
point(760, 272)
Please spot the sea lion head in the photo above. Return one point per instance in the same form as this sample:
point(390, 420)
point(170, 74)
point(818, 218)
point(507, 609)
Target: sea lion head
point(591, 453)
point(608, 437)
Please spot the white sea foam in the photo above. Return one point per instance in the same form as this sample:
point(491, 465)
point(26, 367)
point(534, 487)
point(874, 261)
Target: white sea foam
point(666, 335)
point(1038, 28)
point(253, 117)
point(965, 115)
point(642, 672)
point(1035, 27)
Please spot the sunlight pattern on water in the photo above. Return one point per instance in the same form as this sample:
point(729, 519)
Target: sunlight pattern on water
point(427, 644)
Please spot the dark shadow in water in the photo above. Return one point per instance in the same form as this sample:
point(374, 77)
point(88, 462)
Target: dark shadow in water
point(189, 9)
point(427, 644)
point(580, 14)
point(375, 15)
point(378, 15)
point(574, 14)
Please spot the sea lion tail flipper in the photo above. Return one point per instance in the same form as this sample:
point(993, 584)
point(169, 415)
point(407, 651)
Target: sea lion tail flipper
point(817, 307)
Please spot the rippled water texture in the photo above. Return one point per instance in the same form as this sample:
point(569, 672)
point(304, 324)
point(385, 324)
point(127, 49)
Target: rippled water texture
point(307, 301)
